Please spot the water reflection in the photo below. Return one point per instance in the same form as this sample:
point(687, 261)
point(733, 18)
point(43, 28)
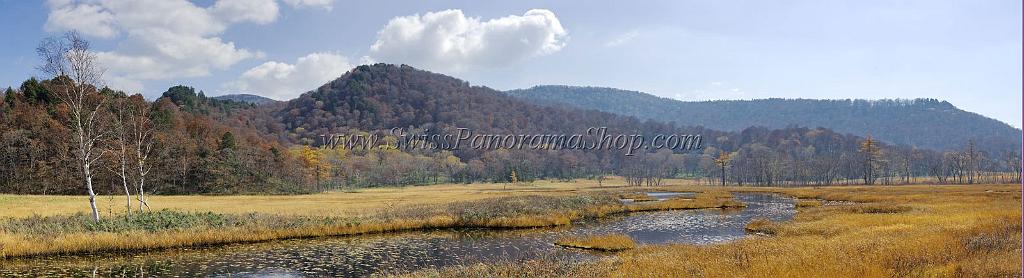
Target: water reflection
point(402, 252)
point(661, 196)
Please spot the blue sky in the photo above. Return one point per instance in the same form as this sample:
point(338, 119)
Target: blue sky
point(966, 52)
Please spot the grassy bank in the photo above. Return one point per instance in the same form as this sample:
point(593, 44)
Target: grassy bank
point(345, 203)
point(881, 231)
point(707, 198)
point(533, 206)
point(610, 242)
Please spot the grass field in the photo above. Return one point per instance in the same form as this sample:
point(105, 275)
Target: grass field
point(347, 203)
point(844, 231)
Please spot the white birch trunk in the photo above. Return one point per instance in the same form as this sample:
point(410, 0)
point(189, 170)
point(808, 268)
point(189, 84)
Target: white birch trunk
point(92, 194)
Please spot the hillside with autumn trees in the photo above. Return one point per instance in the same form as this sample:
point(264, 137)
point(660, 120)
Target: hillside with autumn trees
point(200, 145)
point(203, 145)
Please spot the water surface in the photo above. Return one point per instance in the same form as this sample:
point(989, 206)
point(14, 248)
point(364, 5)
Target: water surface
point(356, 256)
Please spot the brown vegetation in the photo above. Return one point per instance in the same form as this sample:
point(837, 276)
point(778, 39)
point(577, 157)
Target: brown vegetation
point(808, 203)
point(609, 242)
point(762, 226)
point(638, 197)
point(705, 199)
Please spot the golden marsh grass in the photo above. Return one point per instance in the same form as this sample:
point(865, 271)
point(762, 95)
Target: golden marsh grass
point(207, 221)
point(808, 203)
point(866, 231)
point(609, 242)
point(877, 231)
point(638, 197)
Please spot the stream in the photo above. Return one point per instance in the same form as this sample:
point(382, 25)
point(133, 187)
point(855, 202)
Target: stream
point(358, 256)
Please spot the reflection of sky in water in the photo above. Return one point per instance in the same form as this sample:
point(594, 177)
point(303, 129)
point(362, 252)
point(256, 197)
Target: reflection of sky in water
point(400, 252)
point(666, 195)
point(661, 196)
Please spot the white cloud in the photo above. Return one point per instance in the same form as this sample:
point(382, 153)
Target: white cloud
point(284, 81)
point(162, 55)
point(257, 11)
point(162, 39)
point(622, 39)
point(124, 84)
point(323, 4)
point(91, 20)
point(448, 40)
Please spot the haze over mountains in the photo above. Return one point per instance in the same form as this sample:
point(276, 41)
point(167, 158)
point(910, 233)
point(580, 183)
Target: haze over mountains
point(925, 123)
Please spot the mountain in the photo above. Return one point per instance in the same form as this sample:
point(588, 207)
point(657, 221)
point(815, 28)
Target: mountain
point(246, 98)
point(210, 146)
point(384, 96)
point(925, 123)
point(373, 99)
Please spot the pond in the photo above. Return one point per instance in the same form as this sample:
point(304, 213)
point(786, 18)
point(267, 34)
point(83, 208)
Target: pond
point(357, 256)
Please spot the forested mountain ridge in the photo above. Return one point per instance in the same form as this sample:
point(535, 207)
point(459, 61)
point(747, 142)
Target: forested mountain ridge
point(186, 98)
point(202, 145)
point(246, 98)
point(376, 98)
point(925, 123)
point(379, 97)
point(383, 96)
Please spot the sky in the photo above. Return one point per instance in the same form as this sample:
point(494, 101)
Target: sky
point(965, 52)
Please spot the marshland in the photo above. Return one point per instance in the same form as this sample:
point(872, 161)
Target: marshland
point(570, 228)
point(287, 138)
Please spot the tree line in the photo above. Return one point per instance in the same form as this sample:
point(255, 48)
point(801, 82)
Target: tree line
point(65, 133)
point(374, 98)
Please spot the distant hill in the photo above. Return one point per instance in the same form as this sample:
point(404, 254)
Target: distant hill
point(375, 98)
point(247, 98)
point(382, 96)
point(186, 98)
point(925, 123)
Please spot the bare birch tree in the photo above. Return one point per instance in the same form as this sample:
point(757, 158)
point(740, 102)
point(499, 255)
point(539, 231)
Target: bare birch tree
point(119, 145)
point(141, 127)
point(76, 75)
